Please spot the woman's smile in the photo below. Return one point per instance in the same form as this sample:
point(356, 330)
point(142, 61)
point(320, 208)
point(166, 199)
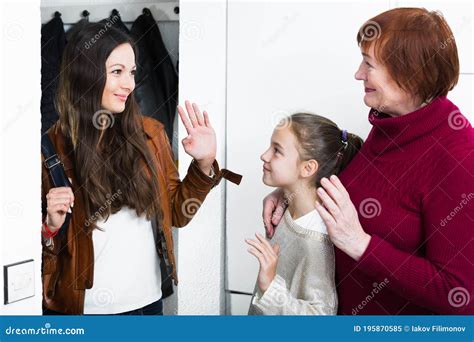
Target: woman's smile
point(122, 98)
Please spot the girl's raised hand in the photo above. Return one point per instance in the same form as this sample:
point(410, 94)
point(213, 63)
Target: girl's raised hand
point(267, 256)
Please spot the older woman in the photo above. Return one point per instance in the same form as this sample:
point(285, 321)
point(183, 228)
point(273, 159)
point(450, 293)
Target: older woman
point(402, 213)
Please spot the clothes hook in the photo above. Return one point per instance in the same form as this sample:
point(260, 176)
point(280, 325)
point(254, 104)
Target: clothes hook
point(57, 14)
point(115, 13)
point(146, 11)
point(85, 14)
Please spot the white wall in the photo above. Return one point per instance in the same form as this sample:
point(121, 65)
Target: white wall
point(20, 191)
point(203, 80)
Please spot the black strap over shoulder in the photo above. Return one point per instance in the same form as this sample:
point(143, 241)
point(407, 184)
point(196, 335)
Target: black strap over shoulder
point(165, 267)
point(56, 171)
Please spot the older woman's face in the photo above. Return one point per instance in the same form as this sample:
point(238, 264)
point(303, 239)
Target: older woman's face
point(381, 91)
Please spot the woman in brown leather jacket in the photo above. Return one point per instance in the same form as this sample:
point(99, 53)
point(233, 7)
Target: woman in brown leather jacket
point(116, 252)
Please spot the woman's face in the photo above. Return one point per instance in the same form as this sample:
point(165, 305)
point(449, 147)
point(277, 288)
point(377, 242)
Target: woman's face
point(120, 70)
point(281, 159)
point(381, 91)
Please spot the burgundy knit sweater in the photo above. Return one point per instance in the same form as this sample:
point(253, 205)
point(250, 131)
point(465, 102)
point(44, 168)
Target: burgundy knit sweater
point(413, 186)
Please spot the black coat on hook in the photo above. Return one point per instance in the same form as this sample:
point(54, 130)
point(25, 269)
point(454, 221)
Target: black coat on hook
point(116, 21)
point(53, 41)
point(79, 25)
point(156, 78)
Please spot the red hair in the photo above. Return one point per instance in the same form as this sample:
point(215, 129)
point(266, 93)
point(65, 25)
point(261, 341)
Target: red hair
point(418, 49)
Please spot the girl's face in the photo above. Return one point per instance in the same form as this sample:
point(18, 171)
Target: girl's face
point(381, 91)
point(281, 161)
point(120, 69)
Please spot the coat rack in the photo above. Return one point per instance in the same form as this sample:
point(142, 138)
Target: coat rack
point(161, 11)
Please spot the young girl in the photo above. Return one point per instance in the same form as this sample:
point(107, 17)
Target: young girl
point(296, 275)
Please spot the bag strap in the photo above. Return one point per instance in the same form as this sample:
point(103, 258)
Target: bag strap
point(165, 267)
point(56, 172)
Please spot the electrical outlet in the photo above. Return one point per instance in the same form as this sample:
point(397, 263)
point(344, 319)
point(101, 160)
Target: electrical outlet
point(19, 281)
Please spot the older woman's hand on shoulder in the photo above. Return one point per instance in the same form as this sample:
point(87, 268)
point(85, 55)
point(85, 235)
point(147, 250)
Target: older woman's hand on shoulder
point(341, 218)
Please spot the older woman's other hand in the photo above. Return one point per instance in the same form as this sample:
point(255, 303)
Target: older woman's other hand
point(341, 218)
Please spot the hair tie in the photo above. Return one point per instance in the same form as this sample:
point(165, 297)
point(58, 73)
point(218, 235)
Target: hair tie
point(344, 137)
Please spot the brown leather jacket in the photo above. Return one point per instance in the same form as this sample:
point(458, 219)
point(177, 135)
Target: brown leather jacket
point(68, 262)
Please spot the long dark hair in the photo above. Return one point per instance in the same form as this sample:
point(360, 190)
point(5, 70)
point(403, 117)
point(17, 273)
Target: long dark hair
point(112, 161)
point(322, 140)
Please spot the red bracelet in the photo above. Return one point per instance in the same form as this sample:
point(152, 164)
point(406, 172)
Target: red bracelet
point(47, 233)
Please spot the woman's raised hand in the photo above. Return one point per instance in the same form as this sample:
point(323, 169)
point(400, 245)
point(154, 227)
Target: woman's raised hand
point(201, 140)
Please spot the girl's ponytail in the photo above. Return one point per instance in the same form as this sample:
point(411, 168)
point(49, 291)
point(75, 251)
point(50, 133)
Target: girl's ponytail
point(352, 144)
point(320, 139)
